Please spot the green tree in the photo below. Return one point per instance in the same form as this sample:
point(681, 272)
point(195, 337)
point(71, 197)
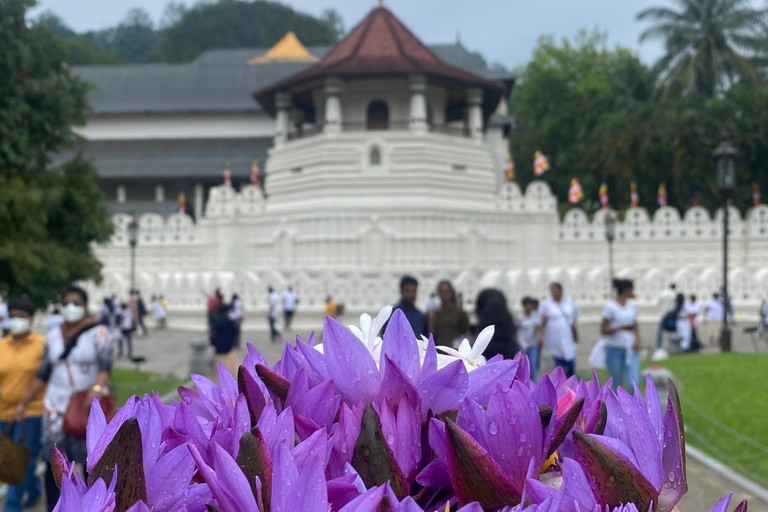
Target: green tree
point(49, 217)
point(135, 38)
point(710, 44)
point(239, 24)
point(559, 100)
point(79, 49)
point(334, 21)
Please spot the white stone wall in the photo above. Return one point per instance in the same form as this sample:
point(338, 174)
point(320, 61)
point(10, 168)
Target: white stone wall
point(357, 254)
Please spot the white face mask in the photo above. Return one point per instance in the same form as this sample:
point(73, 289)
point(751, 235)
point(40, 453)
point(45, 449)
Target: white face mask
point(72, 313)
point(18, 325)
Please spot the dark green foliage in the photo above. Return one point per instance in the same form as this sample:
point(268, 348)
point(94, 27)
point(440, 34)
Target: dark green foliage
point(240, 24)
point(49, 217)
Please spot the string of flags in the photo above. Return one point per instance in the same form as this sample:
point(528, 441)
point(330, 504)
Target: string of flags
point(603, 194)
point(509, 170)
point(227, 175)
point(575, 193)
point(255, 174)
point(540, 163)
point(661, 195)
point(755, 194)
point(633, 195)
point(182, 203)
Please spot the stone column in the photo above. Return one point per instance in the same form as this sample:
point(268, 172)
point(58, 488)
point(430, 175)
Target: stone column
point(418, 120)
point(332, 123)
point(121, 194)
point(475, 117)
point(198, 202)
point(283, 105)
point(159, 193)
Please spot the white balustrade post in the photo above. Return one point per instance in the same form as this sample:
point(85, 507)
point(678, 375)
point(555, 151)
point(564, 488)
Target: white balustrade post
point(332, 123)
point(198, 202)
point(283, 105)
point(475, 102)
point(418, 119)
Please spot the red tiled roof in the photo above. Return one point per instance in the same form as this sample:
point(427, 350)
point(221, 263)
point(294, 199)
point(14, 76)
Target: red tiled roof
point(381, 46)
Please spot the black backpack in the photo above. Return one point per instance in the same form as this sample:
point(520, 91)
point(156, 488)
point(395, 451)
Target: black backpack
point(669, 321)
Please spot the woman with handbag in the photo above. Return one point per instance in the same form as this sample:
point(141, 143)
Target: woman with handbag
point(76, 367)
point(622, 336)
point(20, 354)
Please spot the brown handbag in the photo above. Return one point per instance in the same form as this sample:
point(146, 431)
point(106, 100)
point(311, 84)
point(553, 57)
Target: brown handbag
point(14, 457)
point(76, 415)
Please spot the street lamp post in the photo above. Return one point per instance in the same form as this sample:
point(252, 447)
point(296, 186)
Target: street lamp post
point(610, 236)
point(133, 238)
point(724, 160)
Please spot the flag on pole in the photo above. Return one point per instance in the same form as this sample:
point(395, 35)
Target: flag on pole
point(695, 195)
point(633, 195)
point(510, 168)
point(603, 193)
point(661, 195)
point(182, 203)
point(227, 176)
point(575, 193)
point(755, 194)
point(255, 174)
point(540, 163)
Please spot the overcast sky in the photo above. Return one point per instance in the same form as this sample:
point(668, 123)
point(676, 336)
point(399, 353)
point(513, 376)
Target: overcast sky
point(503, 31)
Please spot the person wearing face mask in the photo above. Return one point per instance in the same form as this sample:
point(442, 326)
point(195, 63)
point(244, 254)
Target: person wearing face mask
point(20, 354)
point(77, 357)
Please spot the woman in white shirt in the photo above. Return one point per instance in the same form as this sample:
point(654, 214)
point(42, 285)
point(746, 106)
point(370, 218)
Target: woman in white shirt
point(622, 337)
point(558, 317)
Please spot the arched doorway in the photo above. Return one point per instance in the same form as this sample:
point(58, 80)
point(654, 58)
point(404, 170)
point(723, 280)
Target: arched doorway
point(378, 116)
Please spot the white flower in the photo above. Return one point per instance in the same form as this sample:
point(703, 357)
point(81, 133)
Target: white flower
point(368, 332)
point(472, 355)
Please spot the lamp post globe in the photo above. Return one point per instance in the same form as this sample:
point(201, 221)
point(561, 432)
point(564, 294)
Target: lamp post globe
point(724, 162)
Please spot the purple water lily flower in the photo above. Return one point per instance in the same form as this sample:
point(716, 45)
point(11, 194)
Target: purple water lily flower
point(77, 497)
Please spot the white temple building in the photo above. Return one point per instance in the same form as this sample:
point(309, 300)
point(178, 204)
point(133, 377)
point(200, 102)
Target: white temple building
point(388, 161)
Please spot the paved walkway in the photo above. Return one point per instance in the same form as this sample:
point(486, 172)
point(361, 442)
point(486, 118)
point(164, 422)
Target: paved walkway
point(168, 352)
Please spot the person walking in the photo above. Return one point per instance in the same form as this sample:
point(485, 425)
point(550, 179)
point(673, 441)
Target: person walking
point(330, 307)
point(127, 327)
point(20, 354)
point(622, 336)
point(491, 309)
point(448, 323)
point(289, 306)
point(715, 313)
point(273, 313)
point(693, 308)
point(236, 315)
point(682, 323)
point(77, 357)
point(409, 289)
point(213, 301)
point(558, 317)
point(666, 304)
point(110, 318)
point(158, 312)
point(763, 313)
point(224, 339)
point(531, 334)
point(142, 312)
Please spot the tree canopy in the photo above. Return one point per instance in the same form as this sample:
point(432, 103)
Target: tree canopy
point(596, 113)
point(49, 216)
point(710, 44)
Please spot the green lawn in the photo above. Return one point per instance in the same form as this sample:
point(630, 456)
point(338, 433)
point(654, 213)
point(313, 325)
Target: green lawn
point(132, 382)
point(725, 408)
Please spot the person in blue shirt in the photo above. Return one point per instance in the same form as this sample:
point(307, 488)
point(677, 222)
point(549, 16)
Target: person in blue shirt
point(409, 288)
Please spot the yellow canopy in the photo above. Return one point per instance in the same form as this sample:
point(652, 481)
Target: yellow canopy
point(288, 49)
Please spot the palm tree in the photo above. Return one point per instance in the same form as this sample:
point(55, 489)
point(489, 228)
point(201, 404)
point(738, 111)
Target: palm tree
point(710, 44)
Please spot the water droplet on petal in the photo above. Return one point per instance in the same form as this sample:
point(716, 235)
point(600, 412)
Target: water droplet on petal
point(493, 428)
point(522, 437)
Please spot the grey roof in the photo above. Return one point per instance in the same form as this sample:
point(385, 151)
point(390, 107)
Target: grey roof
point(201, 158)
point(217, 80)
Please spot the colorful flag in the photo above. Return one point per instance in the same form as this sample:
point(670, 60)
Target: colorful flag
point(575, 194)
point(510, 168)
point(182, 203)
point(255, 174)
point(755, 194)
point(695, 195)
point(603, 193)
point(227, 176)
point(633, 195)
point(540, 163)
point(661, 195)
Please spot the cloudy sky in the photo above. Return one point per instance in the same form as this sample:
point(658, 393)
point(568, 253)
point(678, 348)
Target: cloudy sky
point(503, 31)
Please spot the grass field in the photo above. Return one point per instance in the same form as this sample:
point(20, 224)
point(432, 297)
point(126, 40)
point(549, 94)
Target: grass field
point(132, 382)
point(725, 408)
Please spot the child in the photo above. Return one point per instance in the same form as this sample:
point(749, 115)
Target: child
point(531, 334)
